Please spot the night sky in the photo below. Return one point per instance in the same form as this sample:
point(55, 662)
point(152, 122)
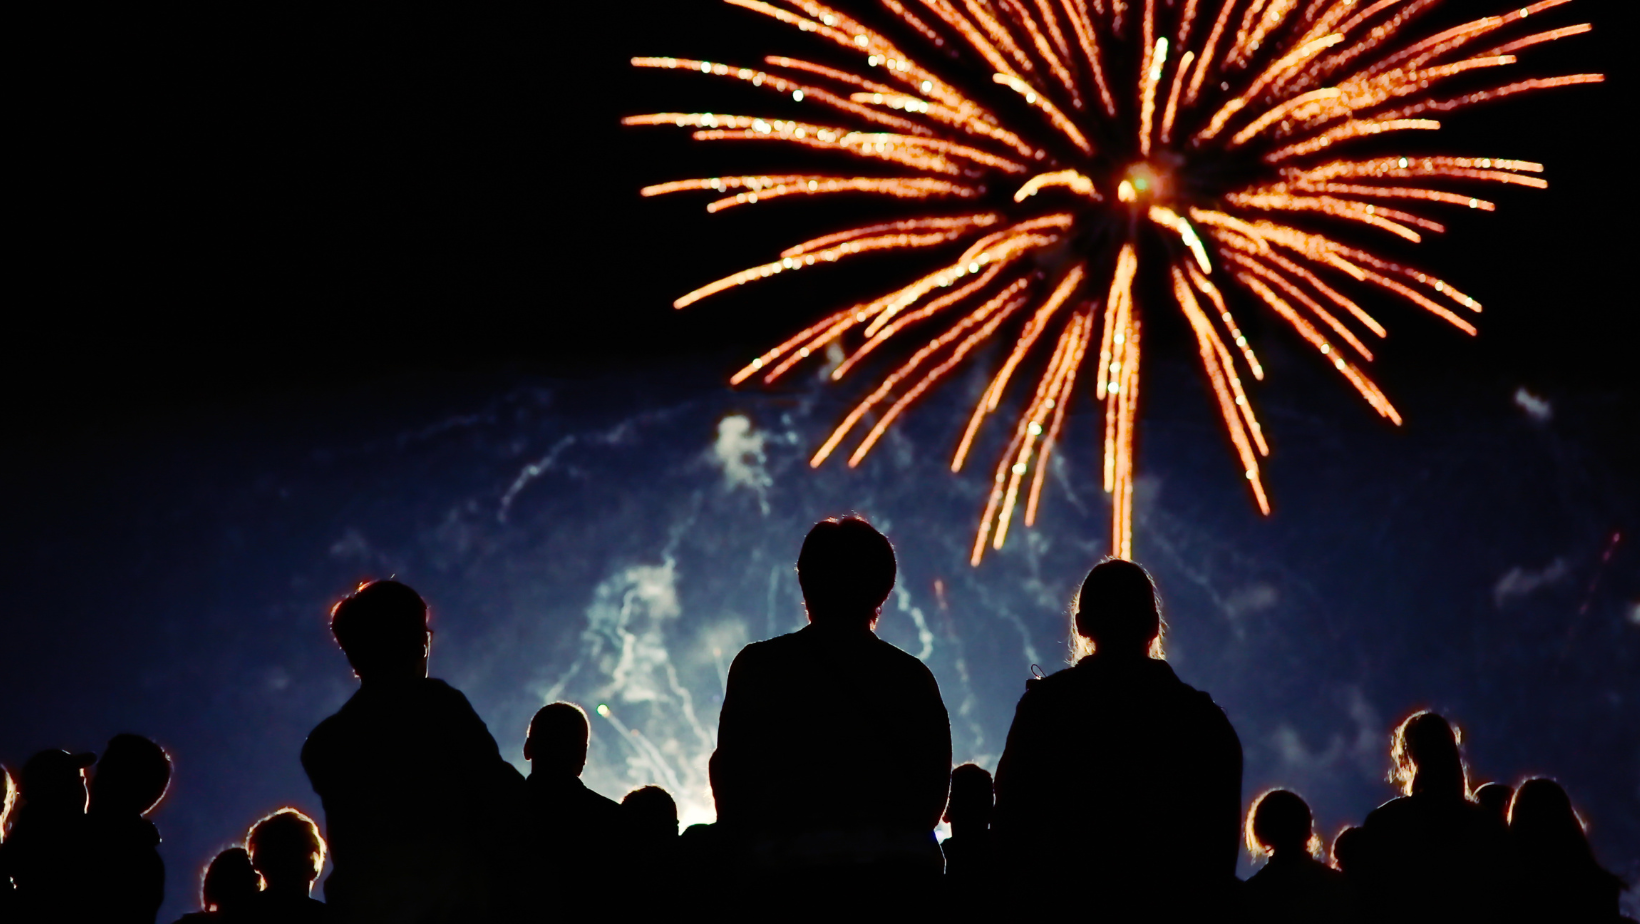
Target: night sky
point(309, 294)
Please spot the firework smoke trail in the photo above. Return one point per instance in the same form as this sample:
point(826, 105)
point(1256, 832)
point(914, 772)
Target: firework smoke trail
point(1093, 145)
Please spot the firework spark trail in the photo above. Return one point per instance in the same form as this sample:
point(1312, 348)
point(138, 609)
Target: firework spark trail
point(1214, 130)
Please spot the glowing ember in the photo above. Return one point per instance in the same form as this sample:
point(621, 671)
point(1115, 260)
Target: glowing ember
point(1216, 130)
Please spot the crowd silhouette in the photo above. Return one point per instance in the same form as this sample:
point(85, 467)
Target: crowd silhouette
point(1117, 798)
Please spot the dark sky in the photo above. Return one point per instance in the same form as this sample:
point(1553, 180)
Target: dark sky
point(262, 243)
point(219, 203)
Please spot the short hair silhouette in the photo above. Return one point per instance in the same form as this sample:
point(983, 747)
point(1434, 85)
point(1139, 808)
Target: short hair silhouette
point(286, 848)
point(54, 781)
point(382, 624)
point(651, 812)
point(556, 743)
point(229, 881)
point(1494, 797)
point(1118, 609)
point(132, 775)
point(1424, 748)
point(1348, 848)
point(1542, 815)
point(972, 797)
point(846, 570)
point(1279, 821)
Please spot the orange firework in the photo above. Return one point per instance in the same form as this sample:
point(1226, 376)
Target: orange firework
point(1213, 126)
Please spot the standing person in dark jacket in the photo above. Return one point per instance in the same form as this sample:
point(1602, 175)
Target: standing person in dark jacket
point(1119, 790)
point(420, 809)
point(574, 834)
point(288, 852)
point(834, 747)
point(1556, 876)
point(230, 885)
point(126, 874)
point(1294, 886)
point(1434, 854)
point(45, 852)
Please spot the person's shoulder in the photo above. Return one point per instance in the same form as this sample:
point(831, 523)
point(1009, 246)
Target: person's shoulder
point(897, 656)
point(1391, 812)
point(596, 802)
point(440, 692)
point(322, 740)
point(1058, 683)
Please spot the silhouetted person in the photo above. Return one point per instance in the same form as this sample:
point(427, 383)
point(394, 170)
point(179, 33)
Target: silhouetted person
point(1293, 886)
point(229, 885)
point(420, 809)
point(1495, 797)
point(1348, 848)
point(124, 862)
point(649, 818)
point(834, 747)
point(1117, 776)
point(1557, 877)
point(288, 852)
point(1433, 855)
point(8, 892)
point(45, 853)
point(575, 833)
point(970, 873)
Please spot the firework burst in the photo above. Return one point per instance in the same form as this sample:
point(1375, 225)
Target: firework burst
point(1210, 135)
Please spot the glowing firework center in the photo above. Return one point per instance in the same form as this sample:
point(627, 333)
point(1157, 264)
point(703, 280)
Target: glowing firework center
point(1224, 126)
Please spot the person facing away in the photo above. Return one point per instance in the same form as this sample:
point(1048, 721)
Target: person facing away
point(45, 852)
point(8, 892)
point(1558, 878)
point(1347, 850)
point(649, 819)
point(968, 849)
point(969, 867)
point(1495, 797)
point(418, 803)
point(834, 747)
point(1293, 887)
point(1433, 854)
point(1116, 775)
point(573, 831)
point(123, 845)
point(288, 852)
point(650, 816)
point(226, 890)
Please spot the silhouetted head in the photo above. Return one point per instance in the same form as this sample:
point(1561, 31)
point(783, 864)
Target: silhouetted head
point(382, 628)
point(651, 814)
point(972, 798)
point(1279, 824)
point(287, 850)
point(53, 782)
point(229, 881)
point(1544, 826)
point(556, 745)
point(131, 777)
point(1494, 797)
point(1424, 748)
point(1348, 848)
point(1118, 611)
point(846, 570)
